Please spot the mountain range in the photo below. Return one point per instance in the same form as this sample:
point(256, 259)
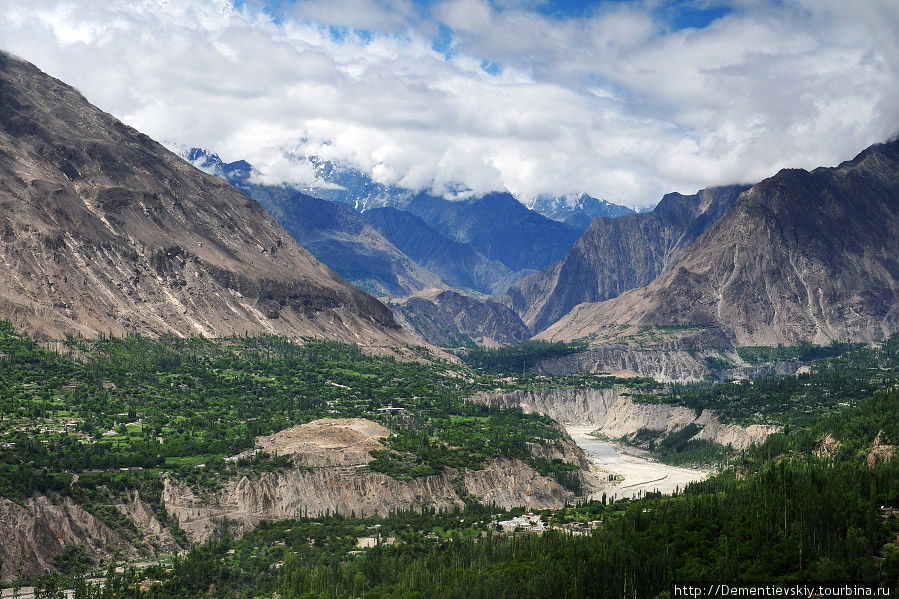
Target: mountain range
point(482, 244)
point(105, 231)
point(617, 254)
point(577, 211)
point(334, 233)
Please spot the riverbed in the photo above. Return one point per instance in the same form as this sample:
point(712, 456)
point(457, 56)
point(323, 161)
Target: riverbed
point(639, 474)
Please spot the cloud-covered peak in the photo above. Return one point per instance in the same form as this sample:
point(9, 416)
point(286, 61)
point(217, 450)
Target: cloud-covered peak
point(621, 100)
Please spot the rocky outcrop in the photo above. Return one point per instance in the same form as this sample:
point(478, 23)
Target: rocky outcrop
point(880, 452)
point(104, 230)
point(738, 437)
point(613, 413)
point(827, 447)
point(39, 528)
point(452, 319)
point(802, 256)
point(153, 532)
point(295, 492)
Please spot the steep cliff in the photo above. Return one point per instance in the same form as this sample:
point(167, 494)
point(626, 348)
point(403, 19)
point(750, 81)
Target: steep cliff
point(40, 528)
point(347, 490)
point(802, 256)
point(613, 413)
point(617, 254)
point(328, 474)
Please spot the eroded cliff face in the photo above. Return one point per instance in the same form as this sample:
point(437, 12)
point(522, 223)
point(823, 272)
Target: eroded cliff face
point(665, 364)
point(41, 527)
point(660, 364)
point(329, 476)
point(613, 413)
point(296, 492)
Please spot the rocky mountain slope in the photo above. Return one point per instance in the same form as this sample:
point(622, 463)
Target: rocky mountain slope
point(457, 264)
point(802, 256)
point(104, 230)
point(452, 319)
point(498, 226)
point(384, 249)
point(617, 254)
point(333, 233)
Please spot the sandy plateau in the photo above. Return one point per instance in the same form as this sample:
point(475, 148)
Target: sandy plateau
point(327, 442)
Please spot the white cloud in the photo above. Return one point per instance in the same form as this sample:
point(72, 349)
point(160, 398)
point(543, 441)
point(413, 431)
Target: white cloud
point(614, 103)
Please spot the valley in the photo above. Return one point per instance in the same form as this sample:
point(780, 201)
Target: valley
point(217, 384)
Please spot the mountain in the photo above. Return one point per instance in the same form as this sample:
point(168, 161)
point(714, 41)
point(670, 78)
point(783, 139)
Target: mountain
point(457, 264)
point(484, 244)
point(617, 254)
point(333, 233)
point(351, 187)
point(577, 211)
point(802, 256)
point(498, 226)
point(105, 231)
point(452, 319)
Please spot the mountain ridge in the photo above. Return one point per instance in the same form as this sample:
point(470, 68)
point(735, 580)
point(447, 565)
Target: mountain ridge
point(801, 256)
point(106, 231)
point(617, 254)
point(333, 232)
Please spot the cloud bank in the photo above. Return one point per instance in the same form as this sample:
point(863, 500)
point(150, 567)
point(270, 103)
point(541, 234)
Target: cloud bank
point(621, 100)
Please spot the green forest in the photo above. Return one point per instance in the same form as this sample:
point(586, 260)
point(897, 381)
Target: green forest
point(845, 375)
point(118, 412)
point(777, 515)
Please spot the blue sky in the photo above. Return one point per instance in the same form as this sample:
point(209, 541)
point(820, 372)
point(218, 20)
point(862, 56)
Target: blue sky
point(624, 100)
point(680, 15)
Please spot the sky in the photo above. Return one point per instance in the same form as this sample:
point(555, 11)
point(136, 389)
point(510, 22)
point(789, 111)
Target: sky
point(624, 100)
